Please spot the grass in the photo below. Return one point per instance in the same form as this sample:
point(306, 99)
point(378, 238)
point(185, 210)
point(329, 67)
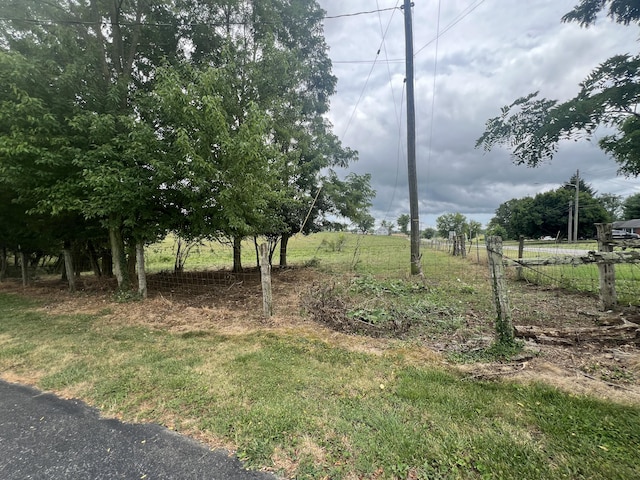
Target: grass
point(309, 409)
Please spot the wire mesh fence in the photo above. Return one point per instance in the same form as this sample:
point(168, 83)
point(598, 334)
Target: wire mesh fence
point(176, 267)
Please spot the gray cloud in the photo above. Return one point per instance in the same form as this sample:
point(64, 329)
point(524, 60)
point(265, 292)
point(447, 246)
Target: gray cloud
point(497, 53)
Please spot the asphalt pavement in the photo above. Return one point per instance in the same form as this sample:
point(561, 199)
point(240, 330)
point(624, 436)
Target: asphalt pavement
point(45, 437)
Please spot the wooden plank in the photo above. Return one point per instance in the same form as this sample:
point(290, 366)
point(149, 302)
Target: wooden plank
point(590, 257)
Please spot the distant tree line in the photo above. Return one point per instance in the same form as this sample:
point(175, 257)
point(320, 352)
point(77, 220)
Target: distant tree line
point(547, 214)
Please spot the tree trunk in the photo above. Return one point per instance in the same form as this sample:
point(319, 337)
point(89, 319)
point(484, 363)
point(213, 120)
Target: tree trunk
point(142, 276)
point(68, 266)
point(131, 260)
point(24, 266)
point(237, 254)
point(255, 244)
point(265, 270)
point(107, 263)
point(93, 259)
point(284, 241)
point(118, 256)
point(3, 264)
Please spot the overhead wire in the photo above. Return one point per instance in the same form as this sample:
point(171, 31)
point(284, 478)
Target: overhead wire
point(398, 119)
point(433, 94)
point(458, 19)
point(160, 24)
point(364, 88)
point(399, 156)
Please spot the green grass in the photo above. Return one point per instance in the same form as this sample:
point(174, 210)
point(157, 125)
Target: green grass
point(314, 410)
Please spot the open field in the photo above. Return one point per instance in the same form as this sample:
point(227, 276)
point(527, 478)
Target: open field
point(294, 396)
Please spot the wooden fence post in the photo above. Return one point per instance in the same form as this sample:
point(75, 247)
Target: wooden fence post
point(520, 255)
point(265, 271)
point(504, 327)
point(608, 298)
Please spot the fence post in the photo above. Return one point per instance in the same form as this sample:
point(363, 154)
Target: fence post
point(504, 327)
point(24, 268)
point(520, 255)
point(265, 275)
point(606, 271)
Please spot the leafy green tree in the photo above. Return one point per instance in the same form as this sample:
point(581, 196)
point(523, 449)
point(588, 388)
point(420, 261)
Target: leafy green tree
point(365, 223)
point(631, 207)
point(350, 198)
point(475, 228)
point(388, 226)
point(429, 233)
point(497, 230)
point(533, 127)
point(612, 203)
point(547, 214)
point(451, 222)
point(403, 223)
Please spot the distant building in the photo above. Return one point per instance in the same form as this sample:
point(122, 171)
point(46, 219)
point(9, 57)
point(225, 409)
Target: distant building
point(631, 226)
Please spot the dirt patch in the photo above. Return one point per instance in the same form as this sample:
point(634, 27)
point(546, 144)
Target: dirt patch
point(232, 305)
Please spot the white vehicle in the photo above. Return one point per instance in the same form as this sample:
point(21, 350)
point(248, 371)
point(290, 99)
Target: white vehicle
point(622, 234)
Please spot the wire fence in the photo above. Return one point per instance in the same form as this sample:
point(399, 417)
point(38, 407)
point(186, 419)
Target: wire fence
point(175, 267)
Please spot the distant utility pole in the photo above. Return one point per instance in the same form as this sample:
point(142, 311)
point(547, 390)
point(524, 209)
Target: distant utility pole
point(411, 143)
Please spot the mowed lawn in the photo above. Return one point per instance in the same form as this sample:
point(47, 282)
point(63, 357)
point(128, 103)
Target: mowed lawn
point(306, 406)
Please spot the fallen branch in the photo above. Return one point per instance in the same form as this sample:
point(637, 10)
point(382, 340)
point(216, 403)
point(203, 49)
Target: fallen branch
point(607, 335)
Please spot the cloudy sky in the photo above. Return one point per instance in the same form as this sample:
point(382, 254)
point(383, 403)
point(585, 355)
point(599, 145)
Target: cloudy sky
point(489, 53)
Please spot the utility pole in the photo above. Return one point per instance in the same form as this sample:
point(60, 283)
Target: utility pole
point(411, 143)
point(575, 216)
point(570, 222)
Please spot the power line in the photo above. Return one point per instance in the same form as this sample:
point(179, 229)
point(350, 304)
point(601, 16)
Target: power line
point(379, 10)
point(159, 24)
point(457, 20)
point(433, 94)
point(355, 108)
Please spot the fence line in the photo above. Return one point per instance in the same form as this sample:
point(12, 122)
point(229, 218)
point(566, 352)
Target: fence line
point(605, 259)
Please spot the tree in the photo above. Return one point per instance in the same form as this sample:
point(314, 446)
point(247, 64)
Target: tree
point(365, 223)
point(547, 214)
point(403, 223)
point(612, 203)
point(429, 232)
point(532, 128)
point(388, 226)
point(451, 222)
point(350, 198)
point(118, 143)
point(631, 207)
point(474, 228)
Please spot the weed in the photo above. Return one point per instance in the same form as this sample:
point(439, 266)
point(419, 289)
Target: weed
point(123, 295)
point(496, 352)
point(336, 244)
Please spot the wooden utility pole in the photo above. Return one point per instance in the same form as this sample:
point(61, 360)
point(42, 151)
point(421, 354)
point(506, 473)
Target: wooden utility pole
point(575, 216)
point(570, 223)
point(411, 143)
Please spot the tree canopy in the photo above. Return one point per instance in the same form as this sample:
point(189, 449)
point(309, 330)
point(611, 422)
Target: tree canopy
point(547, 214)
point(204, 118)
point(532, 127)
